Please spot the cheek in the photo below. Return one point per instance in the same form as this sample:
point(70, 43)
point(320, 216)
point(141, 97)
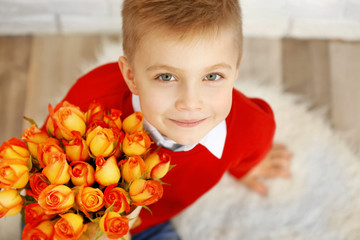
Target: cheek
point(222, 105)
point(153, 106)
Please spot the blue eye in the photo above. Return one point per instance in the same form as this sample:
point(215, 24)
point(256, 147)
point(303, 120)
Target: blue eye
point(213, 77)
point(166, 77)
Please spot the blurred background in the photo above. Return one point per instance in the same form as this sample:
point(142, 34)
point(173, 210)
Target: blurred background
point(310, 48)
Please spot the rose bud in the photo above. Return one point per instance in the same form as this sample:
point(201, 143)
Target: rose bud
point(114, 225)
point(14, 149)
point(145, 192)
point(56, 199)
point(66, 118)
point(94, 113)
point(136, 144)
point(45, 148)
point(89, 199)
point(118, 198)
point(107, 172)
point(101, 142)
point(38, 182)
point(94, 125)
point(157, 164)
point(132, 168)
point(69, 226)
point(133, 123)
point(33, 136)
point(76, 149)
point(51, 126)
point(57, 170)
point(10, 203)
point(13, 174)
point(34, 214)
point(44, 231)
point(82, 173)
point(114, 120)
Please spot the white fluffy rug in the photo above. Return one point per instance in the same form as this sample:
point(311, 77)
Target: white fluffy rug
point(320, 201)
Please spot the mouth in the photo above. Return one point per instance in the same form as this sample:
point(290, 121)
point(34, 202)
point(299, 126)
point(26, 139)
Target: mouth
point(188, 123)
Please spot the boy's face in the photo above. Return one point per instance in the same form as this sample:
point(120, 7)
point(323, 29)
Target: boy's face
point(185, 87)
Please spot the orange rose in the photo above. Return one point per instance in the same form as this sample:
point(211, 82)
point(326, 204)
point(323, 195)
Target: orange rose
point(69, 226)
point(57, 170)
point(65, 119)
point(43, 231)
point(56, 199)
point(157, 164)
point(10, 203)
point(133, 168)
point(133, 123)
point(34, 214)
point(33, 136)
point(114, 120)
point(114, 225)
point(89, 199)
point(45, 148)
point(14, 149)
point(145, 192)
point(94, 113)
point(51, 126)
point(101, 141)
point(107, 172)
point(13, 174)
point(118, 198)
point(76, 149)
point(82, 173)
point(136, 144)
point(38, 182)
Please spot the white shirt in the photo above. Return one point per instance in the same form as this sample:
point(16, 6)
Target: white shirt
point(214, 140)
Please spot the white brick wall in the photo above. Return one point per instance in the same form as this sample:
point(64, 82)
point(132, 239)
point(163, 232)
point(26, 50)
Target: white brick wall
point(338, 19)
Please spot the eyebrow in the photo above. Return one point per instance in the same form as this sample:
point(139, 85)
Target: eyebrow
point(173, 69)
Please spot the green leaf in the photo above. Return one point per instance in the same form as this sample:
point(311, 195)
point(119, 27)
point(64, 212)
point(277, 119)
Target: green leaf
point(163, 183)
point(31, 121)
point(110, 208)
point(95, 220)
point(147, 208)
point(171, 167)
point(99, 233)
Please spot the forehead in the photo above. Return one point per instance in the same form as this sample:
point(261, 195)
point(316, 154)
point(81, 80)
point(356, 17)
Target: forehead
point(169, 46)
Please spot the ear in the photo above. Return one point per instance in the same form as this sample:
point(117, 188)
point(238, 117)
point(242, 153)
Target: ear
point(128, 75)
point(238, 66)
point(237, 74)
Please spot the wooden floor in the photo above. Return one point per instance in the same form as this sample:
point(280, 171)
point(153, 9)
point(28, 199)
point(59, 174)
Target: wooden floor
point(37, 70)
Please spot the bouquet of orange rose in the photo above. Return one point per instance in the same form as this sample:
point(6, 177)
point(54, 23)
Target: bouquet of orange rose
point(87, 168)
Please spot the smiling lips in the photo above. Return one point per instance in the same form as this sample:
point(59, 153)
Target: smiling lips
point(188, 123)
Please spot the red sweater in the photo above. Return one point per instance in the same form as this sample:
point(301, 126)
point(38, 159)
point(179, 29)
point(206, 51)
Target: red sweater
point(250, 130)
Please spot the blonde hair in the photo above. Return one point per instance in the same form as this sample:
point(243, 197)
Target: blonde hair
point(184, 18)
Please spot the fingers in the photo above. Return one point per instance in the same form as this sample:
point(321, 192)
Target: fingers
point(277, 164)
point(280, 151)
point(278, 146)
point(256, 185)
point(276, 171)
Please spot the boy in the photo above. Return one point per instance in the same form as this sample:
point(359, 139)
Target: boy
point(182, 58)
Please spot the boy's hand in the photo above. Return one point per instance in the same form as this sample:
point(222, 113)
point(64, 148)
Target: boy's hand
point(275, 164)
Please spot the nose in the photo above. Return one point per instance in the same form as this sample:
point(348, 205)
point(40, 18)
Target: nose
point(189, 99)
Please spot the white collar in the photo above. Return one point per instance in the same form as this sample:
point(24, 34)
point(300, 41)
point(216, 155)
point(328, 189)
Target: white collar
point(214, 141)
